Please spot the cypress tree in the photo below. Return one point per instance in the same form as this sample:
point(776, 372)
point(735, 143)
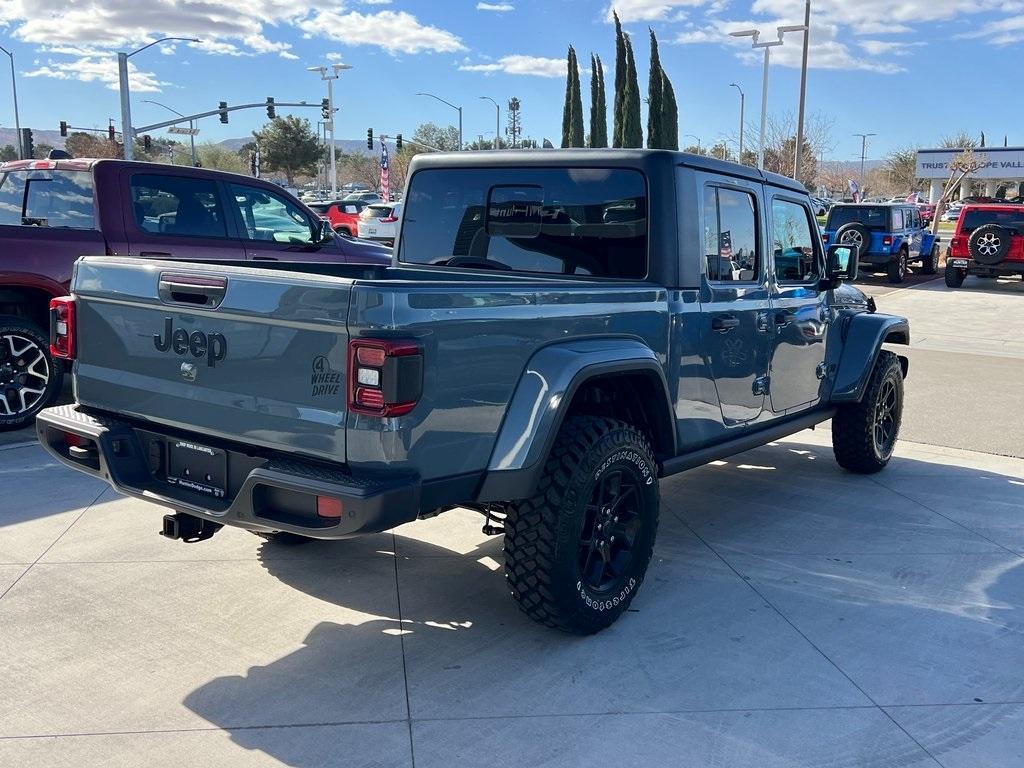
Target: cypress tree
point(632, 131)
point(602, 109)
point(669, 115)
point(576, 113)
point(594, 93)
point(567, 107)
point(620, 83)
point(655, 87)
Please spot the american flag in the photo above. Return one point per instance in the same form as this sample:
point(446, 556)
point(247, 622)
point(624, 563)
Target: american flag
point(385, 172)
point(725, 245)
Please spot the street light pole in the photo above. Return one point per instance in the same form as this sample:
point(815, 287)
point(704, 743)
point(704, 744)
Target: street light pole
point(754, 34)
point(692, 136)
point(743, 99)
point(191, 126)
point(457, 109)
point(330, 121)
point(798, 160)
point(497, 120)
point(863, 153)
point(127, 136)
point(17, 121)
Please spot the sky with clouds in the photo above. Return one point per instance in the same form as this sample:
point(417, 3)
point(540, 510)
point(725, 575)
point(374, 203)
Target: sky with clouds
point(874, 63)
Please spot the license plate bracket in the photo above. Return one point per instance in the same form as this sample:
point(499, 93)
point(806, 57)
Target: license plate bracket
point(960, 262)
point(196, 467)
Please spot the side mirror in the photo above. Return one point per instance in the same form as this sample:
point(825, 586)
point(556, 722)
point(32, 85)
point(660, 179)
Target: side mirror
point(841, 260)
point(322, 231)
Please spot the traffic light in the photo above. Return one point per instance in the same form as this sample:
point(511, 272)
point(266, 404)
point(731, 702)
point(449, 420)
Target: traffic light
point(398, 143)
point(26, 144)
point(111, 133)
point(147, 142)
point(325, 109)
point(271, 110)
point(223, 109)
point(63, 128)
point(369, 138)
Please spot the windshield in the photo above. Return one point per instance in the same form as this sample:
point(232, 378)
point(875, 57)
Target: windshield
point(871, 216)
point(979, 217)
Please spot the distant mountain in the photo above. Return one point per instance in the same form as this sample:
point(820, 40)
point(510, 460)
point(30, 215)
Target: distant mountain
point(53, 138)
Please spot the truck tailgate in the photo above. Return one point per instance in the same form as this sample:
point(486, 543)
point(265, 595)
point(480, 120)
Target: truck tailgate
point(228, 351)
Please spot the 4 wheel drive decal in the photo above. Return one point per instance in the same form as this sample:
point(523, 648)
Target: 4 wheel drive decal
point(325, 380)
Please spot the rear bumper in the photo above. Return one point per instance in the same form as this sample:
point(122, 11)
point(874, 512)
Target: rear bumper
point(974, 268)
point(275, 494)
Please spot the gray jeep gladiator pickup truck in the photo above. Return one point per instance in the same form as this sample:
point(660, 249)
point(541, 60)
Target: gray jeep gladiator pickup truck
point(558, 330)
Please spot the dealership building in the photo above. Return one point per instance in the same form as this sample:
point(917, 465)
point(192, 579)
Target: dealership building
point(1005, 168)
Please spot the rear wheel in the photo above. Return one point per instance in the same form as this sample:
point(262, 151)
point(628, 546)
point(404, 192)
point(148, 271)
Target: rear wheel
point(954, 276)
point(864, 434)
point(897, 268)
point(30, 379)
point(577, 552)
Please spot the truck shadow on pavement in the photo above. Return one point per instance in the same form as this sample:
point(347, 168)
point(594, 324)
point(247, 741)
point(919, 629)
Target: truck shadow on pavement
point(779, 581)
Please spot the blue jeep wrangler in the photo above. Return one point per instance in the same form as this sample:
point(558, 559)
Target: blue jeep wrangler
point(558, 330)
point(889, 236)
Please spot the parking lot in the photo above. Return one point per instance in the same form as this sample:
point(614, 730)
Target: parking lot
point(794, 615)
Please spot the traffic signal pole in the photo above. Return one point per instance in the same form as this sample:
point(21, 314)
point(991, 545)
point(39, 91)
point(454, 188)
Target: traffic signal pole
point(212, 112)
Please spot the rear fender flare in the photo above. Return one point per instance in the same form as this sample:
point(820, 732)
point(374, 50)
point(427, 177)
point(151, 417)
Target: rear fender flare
point(863, 338)
point(543, 397)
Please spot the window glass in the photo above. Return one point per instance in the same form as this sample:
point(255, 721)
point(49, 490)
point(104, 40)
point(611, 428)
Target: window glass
point(872, 217)
point(897, 219)
point(972, 218)
point(793, 243)
point(47, 198)
point(270, 217)
point(730, 235)
point(570, 221)
point(177, 205)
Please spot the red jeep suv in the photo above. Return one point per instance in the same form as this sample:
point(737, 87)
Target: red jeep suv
point(989, 242)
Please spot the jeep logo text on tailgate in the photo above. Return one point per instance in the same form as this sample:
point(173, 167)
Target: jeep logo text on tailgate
point(213, 346)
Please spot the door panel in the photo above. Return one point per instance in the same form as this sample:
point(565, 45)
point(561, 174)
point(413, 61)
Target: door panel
point(799, 315)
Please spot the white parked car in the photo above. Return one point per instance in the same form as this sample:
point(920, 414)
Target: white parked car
point(379, 221)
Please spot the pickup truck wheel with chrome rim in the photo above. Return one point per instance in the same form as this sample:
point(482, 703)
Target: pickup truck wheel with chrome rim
point(576, 553)
point(30, 380)
point(864, 434)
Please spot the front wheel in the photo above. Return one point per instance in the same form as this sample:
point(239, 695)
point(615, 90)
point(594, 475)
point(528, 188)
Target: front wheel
point(30, 379)
point(577, 552)
point(864, 434)
point(931, 261)
point(954, 276)
point(897, 268)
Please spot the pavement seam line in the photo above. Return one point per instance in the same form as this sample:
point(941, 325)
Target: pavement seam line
point(52, 544)
point(840, 670)
point(401, 639)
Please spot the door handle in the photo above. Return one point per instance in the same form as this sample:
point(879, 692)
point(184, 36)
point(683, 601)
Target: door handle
point(725, 322)
point(196, 290)
point(154, 254)
point(783, 318)
point(264, 258)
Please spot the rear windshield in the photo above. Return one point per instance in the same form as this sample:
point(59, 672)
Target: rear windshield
point(567, 221)
point(376, 211)
point(47, 198)
point(979, 217)
point(871, 216)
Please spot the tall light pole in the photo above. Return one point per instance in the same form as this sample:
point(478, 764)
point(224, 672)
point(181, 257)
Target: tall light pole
point(457, 109)
point(798, 160)
point(497, 119)
point(127, 136)
point(191, 126)
point(743, 99)
point(17, 121)
point(754, 34)
point(863, 152)
point(692, 136)
point(336, 68)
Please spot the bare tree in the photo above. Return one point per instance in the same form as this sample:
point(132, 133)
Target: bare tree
point(780, 144)
point(901, 165)
point(962, 165)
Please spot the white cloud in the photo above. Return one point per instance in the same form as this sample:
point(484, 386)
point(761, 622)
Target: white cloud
point(101, 70)
point(517, 64)
point(647, 10)
point(888, 47)
point(497, 7)
point(1002, 32)
point(394, 31)
point(874, 16)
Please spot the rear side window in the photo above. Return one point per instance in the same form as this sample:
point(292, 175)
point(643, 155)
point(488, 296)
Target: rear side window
point(730, 235)
point(177, 205)
point(566, 221)
point(47, 198)
point(793, 243)
point(897, 219)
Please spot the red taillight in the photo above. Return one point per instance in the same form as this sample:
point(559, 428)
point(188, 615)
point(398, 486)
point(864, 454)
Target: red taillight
point(62, 327)
point(327, 506)
point(824, 237)
point(385, 376)
point(388, 220)
point(887, 240)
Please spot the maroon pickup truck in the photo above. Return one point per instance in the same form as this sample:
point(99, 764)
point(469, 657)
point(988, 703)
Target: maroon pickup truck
point(53, 211)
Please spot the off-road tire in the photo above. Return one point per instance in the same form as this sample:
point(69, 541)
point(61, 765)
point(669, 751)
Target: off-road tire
point(954, 276)
point(930, 263)
point(29, 333)
point(854, 433)
point(543, 534)
point(989, 244)
point(896, 270)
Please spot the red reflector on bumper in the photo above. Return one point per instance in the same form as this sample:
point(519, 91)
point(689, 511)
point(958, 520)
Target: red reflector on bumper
point(328, 507)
